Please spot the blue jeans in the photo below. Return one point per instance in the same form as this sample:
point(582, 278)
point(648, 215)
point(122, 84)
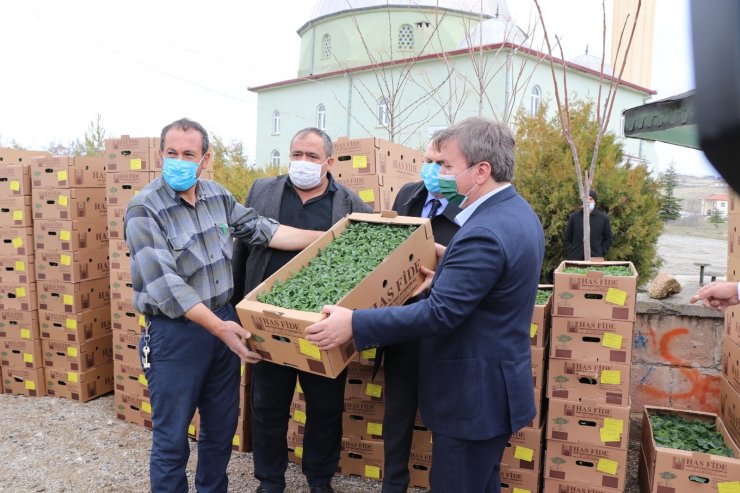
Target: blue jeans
point(191, 368)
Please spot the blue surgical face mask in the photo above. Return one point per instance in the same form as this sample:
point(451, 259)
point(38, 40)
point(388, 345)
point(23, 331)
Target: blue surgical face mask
point(180, 174)
point(430, 175)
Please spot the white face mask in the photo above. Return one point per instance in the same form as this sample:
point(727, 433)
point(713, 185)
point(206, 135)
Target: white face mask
point(591, 206)
point(305, 174)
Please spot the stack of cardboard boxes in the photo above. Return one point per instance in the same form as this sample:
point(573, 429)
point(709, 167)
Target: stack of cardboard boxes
point(20, 341)
point(730, 381)
point(589, 376)
point(72, 269)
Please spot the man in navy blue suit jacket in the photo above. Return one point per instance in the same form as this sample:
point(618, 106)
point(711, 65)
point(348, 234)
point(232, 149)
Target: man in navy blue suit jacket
point(475, 381)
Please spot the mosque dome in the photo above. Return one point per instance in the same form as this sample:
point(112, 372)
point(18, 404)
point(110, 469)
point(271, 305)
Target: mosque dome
point(591, 62)
point(498, 29)
point(487, 8)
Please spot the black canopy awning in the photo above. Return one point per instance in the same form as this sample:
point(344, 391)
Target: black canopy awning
point(671, 120)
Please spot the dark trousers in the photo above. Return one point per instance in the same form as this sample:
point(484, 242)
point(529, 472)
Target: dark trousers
point(272, 390)
point(191, 368)
point(401, 367)
point(472, 466)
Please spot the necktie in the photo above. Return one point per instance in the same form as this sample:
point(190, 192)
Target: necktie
point(435, 207)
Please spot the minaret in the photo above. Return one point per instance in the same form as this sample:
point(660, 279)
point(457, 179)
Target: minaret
point(640, 59)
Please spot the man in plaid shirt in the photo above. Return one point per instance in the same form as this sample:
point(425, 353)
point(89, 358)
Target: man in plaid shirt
point(180, 233)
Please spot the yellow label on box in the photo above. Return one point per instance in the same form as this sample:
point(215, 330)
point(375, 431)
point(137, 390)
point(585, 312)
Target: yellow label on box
point(242, 369)
point(374, 390)
point(20, 292)
point(27, 358)
point(72, 377)
point(62, 175)
point(607, 466)
point(520, 490)
point(613, 424)
point(65, 260)
point(612, 340)
point(17, 242)
point(299, 416)
point(375, 428)
point(25, 333)
point(532, 330)
point(146, 407)
point(63, 200)
point(309, 348)
point(608, 435)
point(30, 385)
point(15, 185)
point(191, 429)
point(367, 195)
point(372, 472)
point(729, 487)
point(72, 351)
point(135, 164)
point(17, 215)
point(20, 266)
point(298, 387)
point(369, 353)
point(68, 299)
point(612, 377)
point(142, 321)
point(359, 162)
point(65, 235)
point(299, 452)
point(142, 380)
point(71, 324)
point(523, 453)
point(616, 296)
point(236, 441)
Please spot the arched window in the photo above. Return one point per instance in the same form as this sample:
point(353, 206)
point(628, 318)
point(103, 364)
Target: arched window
point(534, 100)
point(325, 46)
point(406, 37)
point(275, 122)
point(383, 116)
point(321, 117)
point(275, 158)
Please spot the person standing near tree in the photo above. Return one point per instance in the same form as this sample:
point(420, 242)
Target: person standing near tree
point(179, 230)
point(601, 232)
point(307, 197)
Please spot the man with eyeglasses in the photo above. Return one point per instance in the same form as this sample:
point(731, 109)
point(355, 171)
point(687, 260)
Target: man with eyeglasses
point(307, 197)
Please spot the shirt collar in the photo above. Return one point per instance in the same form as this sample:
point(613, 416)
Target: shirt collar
point(465, 214)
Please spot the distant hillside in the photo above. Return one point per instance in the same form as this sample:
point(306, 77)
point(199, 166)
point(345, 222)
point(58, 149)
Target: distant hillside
point(692, 189)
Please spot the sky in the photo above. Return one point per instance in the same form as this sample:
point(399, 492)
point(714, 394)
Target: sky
point(141, 64)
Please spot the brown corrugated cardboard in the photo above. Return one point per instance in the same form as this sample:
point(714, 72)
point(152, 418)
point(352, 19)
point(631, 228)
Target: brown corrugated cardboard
point(67, 297)
point(278, 333)
point(373, 156)
point(731, 362)
point(732, 323)
point(125, 317)
point(242, 441)
point(730, 409)
point(75, 327)
point(524, 450)
point(594, 295)
point(126, 346)
point(515, 480)
point(120, 258)
point(21, 297)
point(68, 172)
point(24, 381)
point(132, 154)
point(559, 486)
point(361, 458)
point(133, 409)
point(295, 446)
point(601, 466)
point(582, 379)
point(66, 266)
point(68, 235)
point(17, 269)
point(79, 386)
point(17, 156)
point(420, 466)
point(15, 180)
point(591, 338)
point(78, 357)
point(19, 324)
point(540, 327)
point(681, 471)
point(363, 419)
point(116, 215)
point(588, 422)
point(122, 186)
point(377, 191)
point(540, 404)
point(421, 439)
point(362, 386)
point(130, 378)
point(68, 203)
point(16, 241)
point(539, 366)
point(15, 212)
point(121, 288)
point(367, 357)
point(21, 353)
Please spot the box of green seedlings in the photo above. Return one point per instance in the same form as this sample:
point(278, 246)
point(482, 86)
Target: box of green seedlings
point(363, 261)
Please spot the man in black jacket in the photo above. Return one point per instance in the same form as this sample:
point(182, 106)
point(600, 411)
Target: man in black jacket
point(401, 362)
point(601, 232)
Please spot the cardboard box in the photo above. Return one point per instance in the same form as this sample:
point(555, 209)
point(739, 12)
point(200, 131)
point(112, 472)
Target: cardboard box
point(670, 470)
point(79, 386)
point(591, 338)
point(68, 235)
point(594, 295)
point(732, 323)
point(524, 450)
point(295, 447)
point(75, 327)
point(67, 297)
point(133, 409)
point(733, 265)
point(540, 404)
point(367, 357)
point(17, 269)
point(731, 362)
point(362, 386)
point(242, 441)
point(361, 458)
point(120, 259)
point(24, 381)
point(69, 203)
point(16, 241)
point(121, 288)
point(21, 297)
point(730, 409)
point(588, 422)
point(123, 185)
point(374, 156)
point(601, 466)
point(19, 324)
point(557, 486)
point(69, 172)
point(15, 179)
point(126, 347)
point(733, 242)
point(129, 378)
point(363, 419)
point(515, 480)
point(15, 212)
point(116, 215)
point(540, 327)
point(125, 316)
point(591, 380)
point(734, 202)
point(420, 466)
point(21, 353)
point(278, 333)
point(17, 156)
point(132, 154)
point(78, 357)
point(66, 266)
point(421, 439)
point(539, 366)
point(377, 191)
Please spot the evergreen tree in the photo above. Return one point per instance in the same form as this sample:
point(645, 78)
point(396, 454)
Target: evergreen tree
point(715, 218)
point(670, 207)
point(627, 193)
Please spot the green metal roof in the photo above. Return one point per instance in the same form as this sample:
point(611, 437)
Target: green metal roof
point(671, 120)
